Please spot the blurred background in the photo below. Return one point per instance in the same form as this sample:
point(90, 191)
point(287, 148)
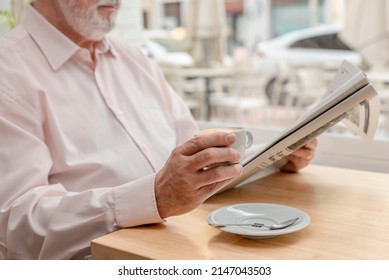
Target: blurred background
point(257, 63)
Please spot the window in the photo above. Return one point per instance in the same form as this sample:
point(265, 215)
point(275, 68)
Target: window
point(327, 41)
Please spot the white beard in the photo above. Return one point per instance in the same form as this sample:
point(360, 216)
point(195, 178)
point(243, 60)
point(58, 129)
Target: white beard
point(87, 22)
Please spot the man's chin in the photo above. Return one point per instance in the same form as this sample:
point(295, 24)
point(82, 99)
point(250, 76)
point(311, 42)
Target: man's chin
point(95, 34)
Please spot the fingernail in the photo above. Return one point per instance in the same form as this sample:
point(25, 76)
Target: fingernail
point(230, 138)
point(237, 155)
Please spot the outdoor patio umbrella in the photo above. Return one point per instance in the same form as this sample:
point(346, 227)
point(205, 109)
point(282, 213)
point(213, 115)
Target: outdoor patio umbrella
point(205, 24)
point(365, 29)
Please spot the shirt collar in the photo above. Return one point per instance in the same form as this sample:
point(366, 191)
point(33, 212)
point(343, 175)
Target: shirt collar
point(56, 47)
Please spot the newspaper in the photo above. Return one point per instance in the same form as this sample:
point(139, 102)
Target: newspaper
point(350, 98)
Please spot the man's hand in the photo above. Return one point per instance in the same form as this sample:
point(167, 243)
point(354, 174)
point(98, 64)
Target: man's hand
point(300, 158)
point(184, 182)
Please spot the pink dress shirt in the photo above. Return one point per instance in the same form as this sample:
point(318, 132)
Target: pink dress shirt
point(79, 144)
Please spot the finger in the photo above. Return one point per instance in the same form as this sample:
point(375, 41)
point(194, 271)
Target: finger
point(311, 145)
point(213, 156)
point(217, 139)
point(295, 164)
point(289, 167)
point(305, 153)
point(219, 174)
point(207, 191)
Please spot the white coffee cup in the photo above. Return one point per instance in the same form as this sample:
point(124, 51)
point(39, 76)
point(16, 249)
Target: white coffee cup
point(244, 138)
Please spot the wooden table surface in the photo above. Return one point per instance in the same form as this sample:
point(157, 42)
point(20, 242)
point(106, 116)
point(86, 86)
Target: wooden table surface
point(349, 212)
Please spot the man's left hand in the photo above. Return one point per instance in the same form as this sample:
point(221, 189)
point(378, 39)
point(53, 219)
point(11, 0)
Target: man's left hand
point(301, 157)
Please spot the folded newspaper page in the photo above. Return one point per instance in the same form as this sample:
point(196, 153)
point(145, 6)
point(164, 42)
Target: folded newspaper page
point(350, 98)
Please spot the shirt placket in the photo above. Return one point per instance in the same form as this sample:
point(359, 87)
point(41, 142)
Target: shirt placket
point(111, 102)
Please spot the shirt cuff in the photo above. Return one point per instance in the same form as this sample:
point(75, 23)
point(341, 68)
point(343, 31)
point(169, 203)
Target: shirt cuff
point(135, 203)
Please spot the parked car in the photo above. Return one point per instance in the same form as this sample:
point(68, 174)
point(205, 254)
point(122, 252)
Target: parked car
point(314, 46)
point(163, 56)
point(165, 50)
point(317, 46)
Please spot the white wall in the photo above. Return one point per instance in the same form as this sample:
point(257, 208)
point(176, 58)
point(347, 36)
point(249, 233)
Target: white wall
point(129, 24)
point(5, 5)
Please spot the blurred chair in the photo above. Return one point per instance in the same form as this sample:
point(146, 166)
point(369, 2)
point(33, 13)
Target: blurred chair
point(284, 82)
point(383, 91)
point(240, 98)
point(192, 91)
point(311, 85)
point(379, 78)
point(385, 114)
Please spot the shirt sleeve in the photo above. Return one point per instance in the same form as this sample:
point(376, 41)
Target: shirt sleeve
point(39, 220)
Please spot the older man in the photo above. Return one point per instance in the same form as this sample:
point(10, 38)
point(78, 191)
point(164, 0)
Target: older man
point(92, 137)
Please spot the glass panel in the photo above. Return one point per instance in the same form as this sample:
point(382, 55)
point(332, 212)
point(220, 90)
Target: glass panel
point(328, 41)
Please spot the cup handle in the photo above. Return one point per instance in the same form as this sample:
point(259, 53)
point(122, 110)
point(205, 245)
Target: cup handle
point(250, 139)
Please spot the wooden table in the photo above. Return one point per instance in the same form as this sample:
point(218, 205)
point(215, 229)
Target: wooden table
point(349, 212)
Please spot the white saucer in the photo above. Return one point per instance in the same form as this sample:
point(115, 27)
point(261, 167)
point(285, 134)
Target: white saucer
point(258, 213)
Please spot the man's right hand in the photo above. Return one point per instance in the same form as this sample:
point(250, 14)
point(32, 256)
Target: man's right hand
point(184, 182)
